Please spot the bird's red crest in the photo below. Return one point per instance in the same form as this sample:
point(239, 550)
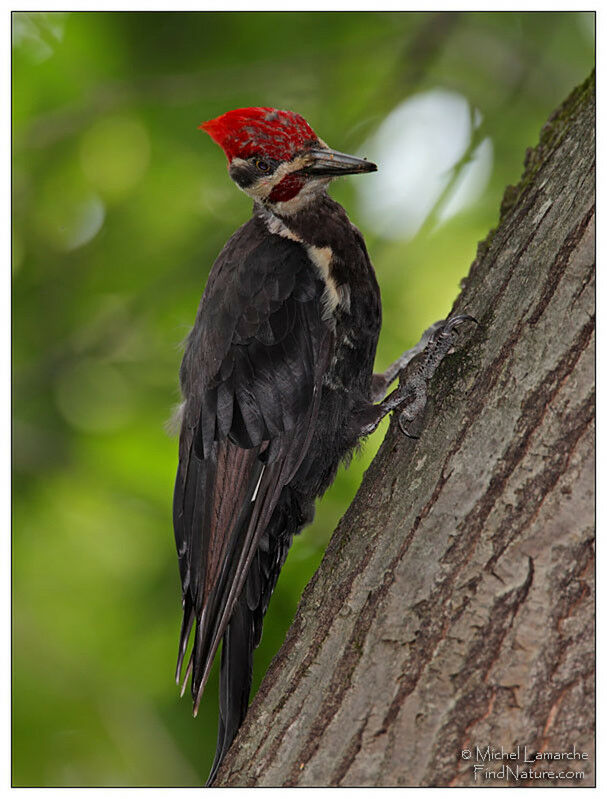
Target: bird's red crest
point(247, 131)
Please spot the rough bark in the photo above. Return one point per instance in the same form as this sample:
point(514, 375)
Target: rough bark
point(454, 607)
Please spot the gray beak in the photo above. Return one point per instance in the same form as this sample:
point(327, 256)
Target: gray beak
point(331, 163)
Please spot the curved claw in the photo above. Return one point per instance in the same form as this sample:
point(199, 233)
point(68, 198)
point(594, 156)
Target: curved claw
point(450, 328)
point(456, 321)
point(404, 430)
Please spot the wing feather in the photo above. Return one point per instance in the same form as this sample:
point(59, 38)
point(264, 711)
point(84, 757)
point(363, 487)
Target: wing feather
point(251, 379)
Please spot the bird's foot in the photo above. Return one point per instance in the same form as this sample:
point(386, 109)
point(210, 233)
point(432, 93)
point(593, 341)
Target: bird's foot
point(416, 367)
point(411, 396)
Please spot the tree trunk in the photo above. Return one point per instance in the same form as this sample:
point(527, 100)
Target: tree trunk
point(452, 616)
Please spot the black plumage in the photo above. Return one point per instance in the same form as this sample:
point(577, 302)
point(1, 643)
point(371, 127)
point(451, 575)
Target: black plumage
point(270, 387)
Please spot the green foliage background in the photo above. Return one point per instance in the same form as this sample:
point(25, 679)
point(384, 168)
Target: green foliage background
point(105, 115)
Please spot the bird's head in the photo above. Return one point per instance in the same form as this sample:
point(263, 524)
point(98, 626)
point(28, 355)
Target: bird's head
point(277, 159)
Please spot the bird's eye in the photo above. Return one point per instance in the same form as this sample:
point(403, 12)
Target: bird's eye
point(262, 165)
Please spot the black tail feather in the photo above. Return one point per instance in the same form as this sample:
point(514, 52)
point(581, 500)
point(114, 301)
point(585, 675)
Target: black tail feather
point(243, 633)
point(235, 679)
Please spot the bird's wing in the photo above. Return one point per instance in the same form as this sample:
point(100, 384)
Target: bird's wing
point(251, 377)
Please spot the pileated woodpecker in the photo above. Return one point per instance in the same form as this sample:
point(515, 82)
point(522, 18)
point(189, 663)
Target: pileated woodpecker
point(278, 388)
